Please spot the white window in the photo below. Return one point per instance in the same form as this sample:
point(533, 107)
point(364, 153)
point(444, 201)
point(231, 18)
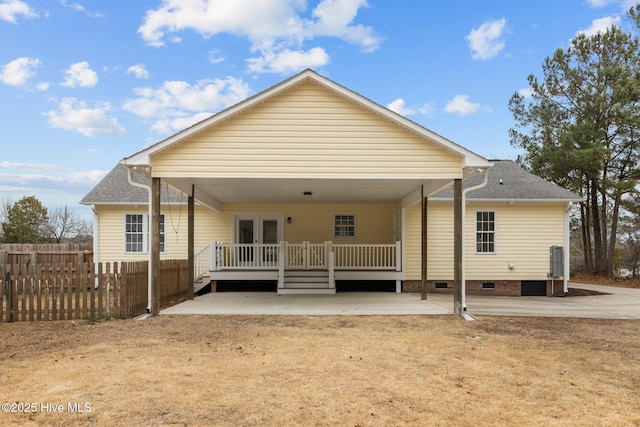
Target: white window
point(485, 232)
point(344, 226)
point(136, 233)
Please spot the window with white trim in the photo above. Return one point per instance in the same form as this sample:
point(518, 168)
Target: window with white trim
point(344, 226)
point(485, 232)
point(136, 233)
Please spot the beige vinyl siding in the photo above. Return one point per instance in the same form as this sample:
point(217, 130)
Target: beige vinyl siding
point(307, 131)
point(314, 221)
point(111, 241)
point(524, 233)
point(310, 222)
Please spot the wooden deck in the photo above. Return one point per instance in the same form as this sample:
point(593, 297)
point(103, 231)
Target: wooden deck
point(302, 268)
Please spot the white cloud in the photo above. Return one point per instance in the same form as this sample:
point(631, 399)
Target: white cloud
point(427, 110)
point(139, 71)
point(460, 104)
point(486, 41)
point(19, 71)
point(277, 29)
point(175, 103)
point(167, 126)
point(10, 9)
point(77, 116)
point(80, 74)
point(398, 106)
point(286, 61)
point(598, 3)
point(600, 25)
point(42, 86)
point(215, 57)
point(526, 92)
point(37, 166)
point(80, 8)
point(74, 6)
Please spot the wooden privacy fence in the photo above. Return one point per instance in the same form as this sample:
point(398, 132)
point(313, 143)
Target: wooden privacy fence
point(45, 253)
point(85, 291)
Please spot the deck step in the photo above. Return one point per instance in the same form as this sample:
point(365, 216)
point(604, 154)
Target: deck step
point(297, 291)
point(306, 282)
point(200, 283)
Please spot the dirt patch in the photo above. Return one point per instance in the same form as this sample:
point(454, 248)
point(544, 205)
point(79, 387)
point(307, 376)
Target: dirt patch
point(577, 292)
point(305, 370)
point(599, 279)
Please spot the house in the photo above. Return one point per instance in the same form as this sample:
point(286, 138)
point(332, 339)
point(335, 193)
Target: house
point(309, 186)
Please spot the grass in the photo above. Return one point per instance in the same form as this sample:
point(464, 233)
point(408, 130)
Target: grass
point(342, 371)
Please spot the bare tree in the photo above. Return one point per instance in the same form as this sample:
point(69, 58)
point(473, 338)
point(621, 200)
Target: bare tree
point(66, 226)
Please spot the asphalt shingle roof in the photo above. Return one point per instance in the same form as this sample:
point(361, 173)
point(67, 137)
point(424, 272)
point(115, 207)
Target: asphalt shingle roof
point(506, 181)
point(509, 181)
point(115, 189)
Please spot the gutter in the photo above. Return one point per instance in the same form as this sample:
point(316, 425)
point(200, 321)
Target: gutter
point(148, 188)
point(464, 220)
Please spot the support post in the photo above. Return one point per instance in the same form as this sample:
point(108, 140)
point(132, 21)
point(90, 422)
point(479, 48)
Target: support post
point(423, 294)
point(330, 256)
point(191, 241)
point(457, 246)
point(154, 268)
point(282, 259)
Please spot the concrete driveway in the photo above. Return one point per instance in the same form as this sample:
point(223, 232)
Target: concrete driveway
point(620, 303)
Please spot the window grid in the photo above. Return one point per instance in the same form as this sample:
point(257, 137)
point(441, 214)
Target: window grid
point(134, 234)
point(137, 233)
point(485, 232)
point(344, 226)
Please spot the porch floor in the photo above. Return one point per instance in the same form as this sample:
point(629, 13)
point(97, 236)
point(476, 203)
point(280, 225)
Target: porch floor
point(269, 303)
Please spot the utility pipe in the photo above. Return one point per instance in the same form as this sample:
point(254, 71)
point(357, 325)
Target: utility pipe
point(485, 173)
point(148, 188)
point(565, 253)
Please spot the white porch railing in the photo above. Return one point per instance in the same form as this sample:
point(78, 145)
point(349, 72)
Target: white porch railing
point(301, 256)
point(244, 256)
point(367, 257)
point(202, 262)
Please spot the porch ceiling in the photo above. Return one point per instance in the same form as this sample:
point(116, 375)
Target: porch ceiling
point(290, 190)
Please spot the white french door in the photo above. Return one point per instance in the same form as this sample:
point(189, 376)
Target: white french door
point(260, 231)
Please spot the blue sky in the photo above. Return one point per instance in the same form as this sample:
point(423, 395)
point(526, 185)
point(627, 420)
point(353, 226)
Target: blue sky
point(84, 83)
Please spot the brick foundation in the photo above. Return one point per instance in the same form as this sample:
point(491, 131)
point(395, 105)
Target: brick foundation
point(478, 287)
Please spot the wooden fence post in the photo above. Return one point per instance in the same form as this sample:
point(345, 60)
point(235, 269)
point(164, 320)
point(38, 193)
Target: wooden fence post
point(13, 298)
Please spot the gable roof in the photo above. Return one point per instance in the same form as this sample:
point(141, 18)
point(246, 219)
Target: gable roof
point(143, 157)
point(517, 184)
point(508, 181)
point(115, 189)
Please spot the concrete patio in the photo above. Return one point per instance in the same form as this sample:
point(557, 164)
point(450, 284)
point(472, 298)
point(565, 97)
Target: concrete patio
point(619, 303)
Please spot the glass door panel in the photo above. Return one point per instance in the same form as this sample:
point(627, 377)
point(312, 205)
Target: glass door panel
point(246, 232)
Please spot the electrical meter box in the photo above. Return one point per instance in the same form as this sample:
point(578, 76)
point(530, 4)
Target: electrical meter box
point(557, 261)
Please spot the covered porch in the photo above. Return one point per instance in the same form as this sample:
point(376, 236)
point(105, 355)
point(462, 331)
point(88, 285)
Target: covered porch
point(314, 147)
point(301, 268)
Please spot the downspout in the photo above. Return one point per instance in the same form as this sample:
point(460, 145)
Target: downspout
point(96, 242)
point(565, 273)
point(96, 238)
point(148, 188)
point(464, 220)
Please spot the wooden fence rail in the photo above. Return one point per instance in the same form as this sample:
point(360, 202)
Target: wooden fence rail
point(45, 253)
point(85, 291)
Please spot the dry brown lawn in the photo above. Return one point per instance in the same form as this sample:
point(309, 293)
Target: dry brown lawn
point(328, 371)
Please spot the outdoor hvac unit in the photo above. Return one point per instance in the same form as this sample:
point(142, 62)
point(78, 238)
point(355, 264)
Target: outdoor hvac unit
point(556, 261)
